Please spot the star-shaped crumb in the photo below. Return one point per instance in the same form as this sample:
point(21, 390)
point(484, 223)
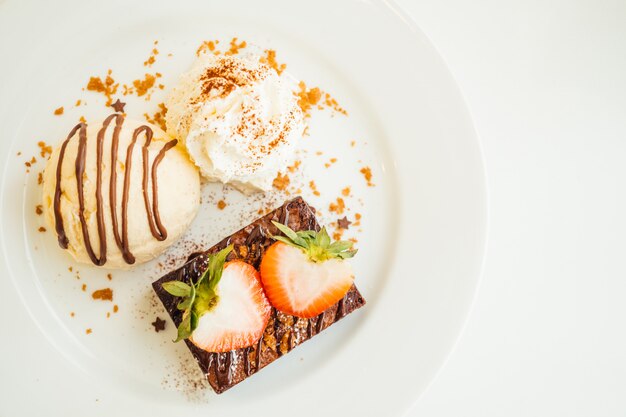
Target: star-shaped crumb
point(343, 223)
point(159, 324)
point(118, 106)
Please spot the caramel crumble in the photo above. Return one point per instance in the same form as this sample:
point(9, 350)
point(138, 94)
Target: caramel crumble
point(105, 294)
point(307, 98)
point(235, 47)
point(108, 86)
point(210, 46)
point(337, 207)
point(59, 111)
point(367, 173)
point(314, 188)
point(143, 86)
point(345, 192)
point(42, 229)
point(158, 118)
point(281, 182)
point(44, 149)
point(39, 209)
point(88, 331)
point(152, 58)
point(293, 168)
point(221, 204)
point(269, 59)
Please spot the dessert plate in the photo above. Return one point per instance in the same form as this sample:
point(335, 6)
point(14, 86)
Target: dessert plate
point(423, 222)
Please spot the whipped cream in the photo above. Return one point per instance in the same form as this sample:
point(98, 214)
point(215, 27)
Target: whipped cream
point(238, 118)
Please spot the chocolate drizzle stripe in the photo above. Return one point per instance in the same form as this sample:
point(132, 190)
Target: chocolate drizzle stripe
point(276, 327)
point(341, 311)
point(257, 354)
point(122, 243)
point(81, 161)
point(246, 360)
point(58, 218)
point(155, 189)
point(157, 228)
point(320, 322)
point(223, 371)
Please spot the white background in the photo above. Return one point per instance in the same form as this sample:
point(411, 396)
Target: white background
point(545, 82)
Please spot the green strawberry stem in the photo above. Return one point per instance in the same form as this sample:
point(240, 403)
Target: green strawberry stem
point(200, 297)
point(316, 245)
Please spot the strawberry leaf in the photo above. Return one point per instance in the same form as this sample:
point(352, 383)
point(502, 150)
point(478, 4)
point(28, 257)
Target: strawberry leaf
point(177, 288)
point(340, 246)
point(316, 245)
point(347, 254)
point(293, 236)
point(184, 328)
point(198, 298)
point(216, 266)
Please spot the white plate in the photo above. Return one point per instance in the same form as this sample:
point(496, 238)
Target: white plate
point(424, 222)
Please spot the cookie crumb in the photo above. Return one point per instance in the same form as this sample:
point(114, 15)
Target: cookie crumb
point(337, 207)
point(281, 182)
point(367, 173)
point(269, 59)
point(105, 294)
point(314, 188)
point(221, 204)
point(59, 111)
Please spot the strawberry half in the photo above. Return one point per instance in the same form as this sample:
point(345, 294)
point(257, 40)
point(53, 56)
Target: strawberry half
point(303, 273)
point(240, 315)
point(226, 309)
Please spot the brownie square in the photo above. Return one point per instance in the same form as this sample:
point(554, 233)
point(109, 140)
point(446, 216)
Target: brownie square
point(283, 332)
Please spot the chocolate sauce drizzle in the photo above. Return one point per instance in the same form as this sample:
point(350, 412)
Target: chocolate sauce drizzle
point(152, 209)
point(223, 371)
point(257, 357)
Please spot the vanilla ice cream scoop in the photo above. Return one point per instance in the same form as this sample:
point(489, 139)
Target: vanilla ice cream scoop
point(119, 192)
point(238, 118)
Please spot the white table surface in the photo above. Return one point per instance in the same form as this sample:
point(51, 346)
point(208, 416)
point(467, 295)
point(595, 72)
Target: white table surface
point(546, 84)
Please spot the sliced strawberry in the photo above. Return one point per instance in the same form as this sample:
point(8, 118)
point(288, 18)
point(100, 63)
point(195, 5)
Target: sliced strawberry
point(240, 313)
point(304, 274)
